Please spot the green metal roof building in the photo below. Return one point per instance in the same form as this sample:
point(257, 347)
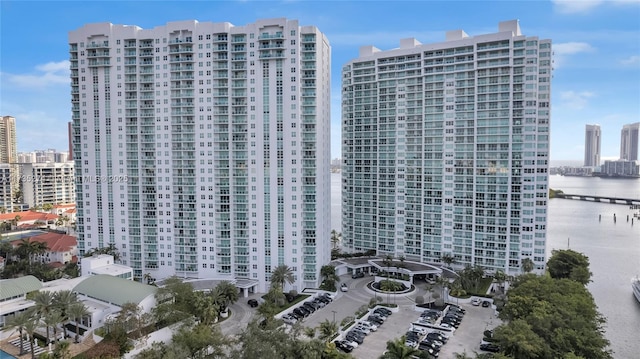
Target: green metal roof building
point(114, 290)
point(18, 287)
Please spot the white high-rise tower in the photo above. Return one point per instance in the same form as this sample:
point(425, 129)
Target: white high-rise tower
point(446, 149)
point(592, 138)
point(204, 148)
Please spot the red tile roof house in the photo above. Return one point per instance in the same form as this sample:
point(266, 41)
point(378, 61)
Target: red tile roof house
point(63, 249)
point(27, 219)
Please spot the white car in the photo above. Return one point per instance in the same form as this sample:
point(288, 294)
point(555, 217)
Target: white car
point(369, 325)
point(353, 344)
point(420, 331)
point(447, 326)
point(344, 287)
point(476, 301)
point(363, 329)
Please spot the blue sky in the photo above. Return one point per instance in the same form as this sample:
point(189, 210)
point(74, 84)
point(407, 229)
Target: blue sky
point(596, 45)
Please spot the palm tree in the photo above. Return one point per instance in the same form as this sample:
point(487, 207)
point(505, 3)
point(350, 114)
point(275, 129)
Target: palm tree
point(52, 320)
point(77, 311)
point(527, 265)
point(310, 332)
point(44, 306)
point(500, 277)
point(26, 248)
point(228, 293)
point(19, 322)
point(396, 349)
point(327, 330)
point(335, 238)
point(328, 273)
point(448, 260)
point(206, 307)
point(282, 274)
point(63, 300)
point(63, 350)
point(30, 327)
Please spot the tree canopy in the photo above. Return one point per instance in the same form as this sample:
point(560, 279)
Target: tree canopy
point(569, 264)
point(552, 316)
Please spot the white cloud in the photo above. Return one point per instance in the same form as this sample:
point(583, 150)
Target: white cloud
point(575, 100)
point(631, 60)
point(575, 6)
point(51, 73)
point(563, 50)
point(585, 6)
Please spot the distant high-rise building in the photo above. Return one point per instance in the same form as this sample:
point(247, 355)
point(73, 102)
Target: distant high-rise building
point(445, 149)
point(629, 142)
point(9, 173)
point(8, 145)
point(206, 153)
point(592, 145)
point(47, 183)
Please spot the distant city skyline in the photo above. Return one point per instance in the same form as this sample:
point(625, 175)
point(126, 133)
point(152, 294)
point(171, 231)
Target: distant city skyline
point(596, 61)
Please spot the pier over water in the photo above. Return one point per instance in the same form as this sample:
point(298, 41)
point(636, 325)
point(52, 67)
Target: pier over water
point(590, 198)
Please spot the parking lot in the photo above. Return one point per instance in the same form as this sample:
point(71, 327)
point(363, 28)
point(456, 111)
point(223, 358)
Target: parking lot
point(465, 339)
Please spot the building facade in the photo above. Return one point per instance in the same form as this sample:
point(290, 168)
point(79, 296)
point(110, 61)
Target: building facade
point(620, 168)
point(203, 148)
point(9, 182)
point(629, 142)
point(47, 183)
point(592, 138)
point(8, 144)
point(446, 149)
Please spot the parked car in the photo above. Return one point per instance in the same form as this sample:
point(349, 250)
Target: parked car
point(288, 319)
point(457, 307)
point(489, 347)
point(437, 343)
point(344, 288)
point(330, 296)
point(375, 319)
point(354, 338)
point(305, 311)
point(429, 350)
point(486, 303)
point(252, 303)
point(384, 311)
point(363, 329)
point(309, 307)
point(476, 301)
point(369, 325)
point(418, 330)
point(323, 299)
point(344, 345)
point(429, 344)
point(357, 275)
point(411, 343)
point(313, 304)
point(437, 336)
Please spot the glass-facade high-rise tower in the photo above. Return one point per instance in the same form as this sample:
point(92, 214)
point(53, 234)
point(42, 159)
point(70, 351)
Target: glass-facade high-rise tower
point(592, 140)
point(630, 142)
point(203, 148)
point(446, 149)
